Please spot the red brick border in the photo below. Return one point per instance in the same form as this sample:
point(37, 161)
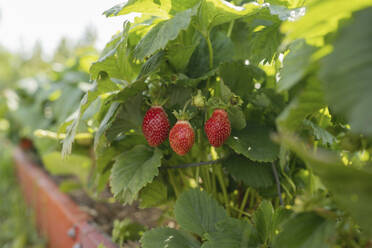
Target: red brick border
point(58, 218)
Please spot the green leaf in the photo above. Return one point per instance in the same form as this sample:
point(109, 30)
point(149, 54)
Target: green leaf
point(315, 25)
point(236, 117)
point(310, 100)
point(295, 64)
point(117, 61)
point(106, 154)
point(197, 212)
point(255, 143)
point(133, 170)
point(347, 73)
point(181, 5)
point(287, 3)
point(253, 174)
point(320, 133)
point(153, 195)
point(104, 160)
point(66, 104)
point(130, 90)
point(216, 12)
point(180, 50)
point(240, 78)
point(167, 237)
point(105, 122)
point(125, 230)
point(177, 95)
point(147, 7)
point(263, 44)
point(263, 218)
point(101, 86)
point(129, 116)
point(350, 187)
point(232, 233)
point(199, 62)
point(152, 64)
point(159, 36)
point(305, 230)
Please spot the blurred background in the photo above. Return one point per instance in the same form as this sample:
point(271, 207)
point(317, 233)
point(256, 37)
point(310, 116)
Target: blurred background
point(40, 24)
point(46, 48)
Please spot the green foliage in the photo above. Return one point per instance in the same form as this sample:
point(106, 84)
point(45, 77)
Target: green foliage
point(254, 142)
point(198, 212)
point(133, 170)
point(350, 63)
point(232, 233)
point(295, 64)
point(306, 102)
point(355, 196)
point(126, 230)
point(167, 237)
point(159, 36)
point(253, 174)
point(154, 194)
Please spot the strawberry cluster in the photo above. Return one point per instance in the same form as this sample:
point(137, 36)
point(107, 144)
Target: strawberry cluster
point(156, 127)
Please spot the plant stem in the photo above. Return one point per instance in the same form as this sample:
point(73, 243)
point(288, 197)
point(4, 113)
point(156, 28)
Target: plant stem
point(231, 26)
point(210, 49)
point(251, 200)
point(214, 184)
point(207, 180)
point(197, 172)
point(185, 106)
point(277, 183)
point(241, 212)
point(244, 202)
point(221, 180)
point(194, 164)
point(173, 183)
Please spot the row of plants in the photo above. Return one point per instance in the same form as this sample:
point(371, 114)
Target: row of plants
point(245, 122)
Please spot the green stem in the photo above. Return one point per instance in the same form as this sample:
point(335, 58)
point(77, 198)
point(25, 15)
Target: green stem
point(210, 49)
point(197, 172)
point(244, 202)
point(240, 211)
point(206, 179)
point(251, 200)
point(221, 180)
point(214, 184)
point(173, 183)
point(186, 105)
point(231, 26)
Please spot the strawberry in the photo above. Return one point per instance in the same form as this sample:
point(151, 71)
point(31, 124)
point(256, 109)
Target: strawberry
point(155, 126)
point(181, 137)
point(218, 128)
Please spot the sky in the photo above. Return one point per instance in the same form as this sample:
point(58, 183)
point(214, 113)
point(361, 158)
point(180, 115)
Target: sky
point(24, 22)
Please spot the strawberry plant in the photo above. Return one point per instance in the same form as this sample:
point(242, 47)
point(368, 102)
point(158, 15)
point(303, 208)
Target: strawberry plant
point(258, 134)
point(266, 88)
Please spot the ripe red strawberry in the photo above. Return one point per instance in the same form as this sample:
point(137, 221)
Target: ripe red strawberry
point(155, 125)
point(218, 128)
point(181, 137)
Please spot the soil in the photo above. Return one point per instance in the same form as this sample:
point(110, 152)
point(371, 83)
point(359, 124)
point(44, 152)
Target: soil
point(104, 213)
